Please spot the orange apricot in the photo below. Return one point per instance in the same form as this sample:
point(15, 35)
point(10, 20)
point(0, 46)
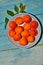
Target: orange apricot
point(34, 24)
point(27, 26)
point(12, 24)
point(19, 29)
point(23, 41)
point(26, 18)
point(19, 20)
point(31, 39)
point(25, 33)
point(17, 37)
point(33, 32)
point(11, 33)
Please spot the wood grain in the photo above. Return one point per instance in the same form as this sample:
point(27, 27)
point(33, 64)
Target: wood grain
point(10, 54)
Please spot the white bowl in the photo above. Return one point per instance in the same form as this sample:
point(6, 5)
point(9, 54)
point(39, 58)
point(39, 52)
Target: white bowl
point(37, 38)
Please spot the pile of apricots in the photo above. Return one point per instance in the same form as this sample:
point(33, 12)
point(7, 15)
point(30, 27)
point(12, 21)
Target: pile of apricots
point(25, 33)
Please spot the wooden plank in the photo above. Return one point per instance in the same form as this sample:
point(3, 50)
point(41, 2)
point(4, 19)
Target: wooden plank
point(34, 7)
point(33, 56)
point(9, 54)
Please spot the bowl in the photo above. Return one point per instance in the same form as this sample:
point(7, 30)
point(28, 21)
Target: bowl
point(37, 38)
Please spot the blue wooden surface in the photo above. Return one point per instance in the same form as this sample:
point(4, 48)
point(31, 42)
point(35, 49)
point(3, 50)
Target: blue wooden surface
point(9, 55)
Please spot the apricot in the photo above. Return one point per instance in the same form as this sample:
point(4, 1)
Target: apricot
point(23, 41)
point(12, 24)
point(26, 18)
point(19, 20)
point(17, 37)
point(25, 33)
point(19, 29)
point(34, 24)
point(33, 32)
point(27, 26)
point(11, 33)
point(31, 38)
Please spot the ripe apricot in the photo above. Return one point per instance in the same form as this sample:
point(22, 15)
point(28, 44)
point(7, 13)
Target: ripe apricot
point(33, 32)
point(11, 33)
point(34, 24)
point(12, 24)
point(31, 39)
point(19, 20)
point(25, 33)
point(23, 41)
point(19, 29)
point(27, 26)
point(17, 37)
point(26, 18)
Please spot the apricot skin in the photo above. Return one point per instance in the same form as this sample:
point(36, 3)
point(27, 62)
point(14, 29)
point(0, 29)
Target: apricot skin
point(19, 29)
point(19, 20)
point(23, 41)
point(33, 32)
point(17, 37)
point(25, 33)
point(26, 18)
point(31, 39)
point(11, 33)
point(12, 24)
point(27, 26)
point(34, 24)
